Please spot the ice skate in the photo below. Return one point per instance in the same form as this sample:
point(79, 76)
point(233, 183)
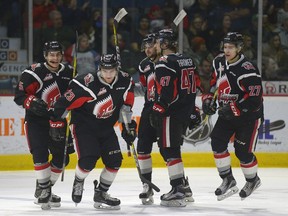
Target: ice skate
point(147, 195)
point(188, 191)
point(55, 201)
point(227, 188)
point(45, 196)
point(174, 198)
point(102, 200)
point(249, 187)
point(77, 192)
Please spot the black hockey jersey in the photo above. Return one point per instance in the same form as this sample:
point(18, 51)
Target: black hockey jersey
point(239, 82)
point(93, 102)
point(39, 81)
point(147, 76)
point(176, 84)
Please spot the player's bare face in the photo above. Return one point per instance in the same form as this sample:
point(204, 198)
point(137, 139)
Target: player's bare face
point(108, 75)
point(230, 51)
point(150, 50)
point(54, 59)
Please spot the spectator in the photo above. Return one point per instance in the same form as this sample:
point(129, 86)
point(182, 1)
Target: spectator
point(157, 21)
point(218, 34)
point(198, 27)
point(205, 71)
point(41, 10)
point(248, 50)
point(58, 32)
point(87, 59)
point(276, 51)
point(142, 30)
point(72, 14)
point(283, 32)
point(282, 13)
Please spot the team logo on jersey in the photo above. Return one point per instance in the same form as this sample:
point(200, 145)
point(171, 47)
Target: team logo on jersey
point(69, 95)
point(50, 94)
point(150, 87)
point(48, 77)
point(104, 108)
point(88, 79)
point(224, 91)
point(248, 66)
point(33, 66)
point(102, 91)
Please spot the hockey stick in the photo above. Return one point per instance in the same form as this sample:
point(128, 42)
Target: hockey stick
point(117, 19)
point(69, 113)
point(180, 16)
point(135, 156)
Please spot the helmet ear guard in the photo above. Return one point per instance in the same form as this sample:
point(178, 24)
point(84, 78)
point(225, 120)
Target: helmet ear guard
point(108, 61)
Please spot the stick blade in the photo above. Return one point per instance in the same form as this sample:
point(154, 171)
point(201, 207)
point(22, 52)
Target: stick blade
point(120, 15)
point(179, 17)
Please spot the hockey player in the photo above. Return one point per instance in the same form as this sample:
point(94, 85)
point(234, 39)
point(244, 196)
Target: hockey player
point(146, 133)
point(174, 104)
point(96, 100)
point(237, 81)
point(39, 87)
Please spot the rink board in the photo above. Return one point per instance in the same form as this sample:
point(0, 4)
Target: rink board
point(271, 149)
point(191, 159)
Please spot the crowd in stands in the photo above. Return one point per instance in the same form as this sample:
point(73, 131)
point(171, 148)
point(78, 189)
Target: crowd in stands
point(205, 25)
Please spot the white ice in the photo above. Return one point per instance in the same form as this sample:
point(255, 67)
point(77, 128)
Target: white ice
point(17, 190)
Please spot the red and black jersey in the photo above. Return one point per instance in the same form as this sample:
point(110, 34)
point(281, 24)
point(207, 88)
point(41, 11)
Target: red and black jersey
point(94, 102)
point(239, 82)
point(39, 81)
point(147, 76)
point(176, 84)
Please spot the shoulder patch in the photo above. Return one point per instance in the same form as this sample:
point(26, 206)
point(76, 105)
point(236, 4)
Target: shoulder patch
point(88, 79)
point(34, 66)
point(163, 58)
point(248, 66)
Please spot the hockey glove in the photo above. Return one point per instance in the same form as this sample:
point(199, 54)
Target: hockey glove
point(159, 110)
point(129, 136)
point(57, 129)
point(209, 105)
point(36, 105)
point(195, 119)
point(229, 111)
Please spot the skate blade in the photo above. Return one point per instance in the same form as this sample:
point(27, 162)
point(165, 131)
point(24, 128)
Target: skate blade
point(189, 199)
point(257, 186)
point(229, 193)
point(52, 204)
point(174, 203)
point(103, 206)
point(147, 201)
point(45, 206)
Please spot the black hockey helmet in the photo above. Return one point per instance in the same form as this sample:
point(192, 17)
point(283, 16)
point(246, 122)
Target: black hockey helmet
point(149, 41)
point(108, 61)
point(52, 46)
point(234, 38)
point(168, 37)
